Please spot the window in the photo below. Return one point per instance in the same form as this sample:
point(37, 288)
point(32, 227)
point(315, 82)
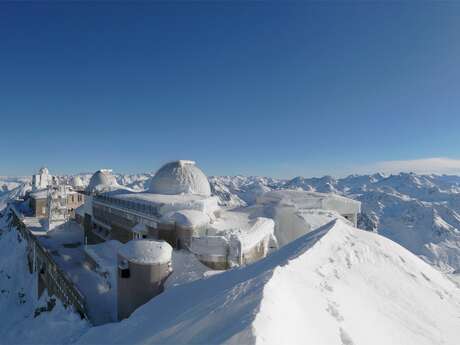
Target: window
point(124, 269)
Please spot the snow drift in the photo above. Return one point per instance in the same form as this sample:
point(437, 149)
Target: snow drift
point(336, 285)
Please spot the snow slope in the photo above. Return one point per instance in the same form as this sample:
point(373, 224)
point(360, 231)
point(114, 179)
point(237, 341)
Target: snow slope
point(20, 322)
point(337, 285)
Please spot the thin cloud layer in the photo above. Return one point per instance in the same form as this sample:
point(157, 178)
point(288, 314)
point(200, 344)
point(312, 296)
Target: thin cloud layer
point(434, 165)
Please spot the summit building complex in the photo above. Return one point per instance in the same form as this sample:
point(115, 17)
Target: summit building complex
point(111, 249)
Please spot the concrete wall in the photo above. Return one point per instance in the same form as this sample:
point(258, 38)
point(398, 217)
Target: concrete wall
point(90, 236)
point(352, 217)
point(144, 283)
point(39, 207)
point(215, 262)
point(74, 200)
point(121, 226)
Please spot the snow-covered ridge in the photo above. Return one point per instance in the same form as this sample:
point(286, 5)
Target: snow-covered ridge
point(306, 293)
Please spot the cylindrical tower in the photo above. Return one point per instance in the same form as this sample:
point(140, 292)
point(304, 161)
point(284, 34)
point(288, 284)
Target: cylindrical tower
point(143, 267)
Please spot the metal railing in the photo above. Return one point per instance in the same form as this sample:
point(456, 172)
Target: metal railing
point(65, 289)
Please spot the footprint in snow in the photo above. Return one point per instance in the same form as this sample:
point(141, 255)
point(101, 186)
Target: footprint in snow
point(345, 337)
point(348, 261)
point(332, 309)
point(326, 286)
point(424, 276)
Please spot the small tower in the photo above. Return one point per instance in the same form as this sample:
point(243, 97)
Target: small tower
point(41, 180)
point(143, 267)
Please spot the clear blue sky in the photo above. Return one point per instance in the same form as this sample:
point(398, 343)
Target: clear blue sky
point(242, 88)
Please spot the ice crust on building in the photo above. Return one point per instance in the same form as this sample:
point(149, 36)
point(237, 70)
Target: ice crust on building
point(297, 213)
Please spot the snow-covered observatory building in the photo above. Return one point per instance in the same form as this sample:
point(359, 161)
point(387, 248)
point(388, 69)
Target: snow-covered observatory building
point(178, 208)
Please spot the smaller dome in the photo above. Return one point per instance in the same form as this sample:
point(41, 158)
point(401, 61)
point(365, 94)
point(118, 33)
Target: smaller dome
point(43, 171)
point(180, 177)
point(101, 180)
point(77, 181)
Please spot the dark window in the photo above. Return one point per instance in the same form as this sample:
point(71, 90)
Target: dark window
point(124, 273)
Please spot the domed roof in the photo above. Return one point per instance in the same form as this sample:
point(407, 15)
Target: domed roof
point(77, 181)
point(43, 171)
point(180, 177)
point(146, 252)
point(100, 180)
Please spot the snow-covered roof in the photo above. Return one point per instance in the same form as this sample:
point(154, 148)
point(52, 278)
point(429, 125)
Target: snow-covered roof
point(146, 252)
point(104, 254)
point(249, 230)
point(101, 180)
point(43, 171)
point(231, 226)
point(310, 200)
point(169, 203)
point(187, 218)
point(180, 177)
point(39, 194)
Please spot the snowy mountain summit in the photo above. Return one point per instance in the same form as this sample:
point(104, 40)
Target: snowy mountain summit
point(337, 285)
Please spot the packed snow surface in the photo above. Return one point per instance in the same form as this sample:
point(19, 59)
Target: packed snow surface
point(104, 254)
point(180, 177)
point(40, 194)
point(337, 285)
point(310, 200)
point(186, 269)
point(146, 252)
point(248, 229)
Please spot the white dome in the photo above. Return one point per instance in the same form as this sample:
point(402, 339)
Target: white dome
point(77, 182)
point(146, 252)
point(180, 177)
point(101, 180)
point(43, 171)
